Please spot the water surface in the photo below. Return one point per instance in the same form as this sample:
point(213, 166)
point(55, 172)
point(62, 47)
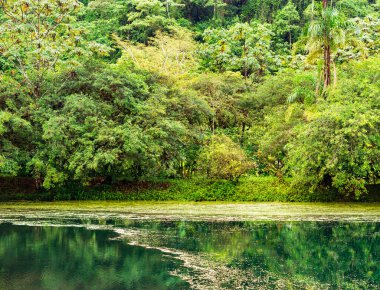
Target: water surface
point(35, 257)
point(52, 248)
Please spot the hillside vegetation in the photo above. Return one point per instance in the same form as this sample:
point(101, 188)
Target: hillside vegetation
point(105, 92)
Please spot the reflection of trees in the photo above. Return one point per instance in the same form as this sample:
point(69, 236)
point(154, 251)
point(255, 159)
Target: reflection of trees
point(327, 253)
point(76, 258)
point(330, 253)
point(344, 255)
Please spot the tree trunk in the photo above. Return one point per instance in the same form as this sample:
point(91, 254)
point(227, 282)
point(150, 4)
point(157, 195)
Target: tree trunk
point(168, 8)
point(213, 125)
point(38, 182)
point(335, 74)
point(327, 53)
point(245, 50)
point(242, 133)
point(327, 68)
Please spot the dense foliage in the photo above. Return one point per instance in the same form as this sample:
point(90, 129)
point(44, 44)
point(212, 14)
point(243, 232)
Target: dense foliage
point(117, 90)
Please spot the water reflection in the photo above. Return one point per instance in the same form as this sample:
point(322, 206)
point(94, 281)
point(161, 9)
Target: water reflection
point(320, 254)
point(76, 258)
point(284, 255)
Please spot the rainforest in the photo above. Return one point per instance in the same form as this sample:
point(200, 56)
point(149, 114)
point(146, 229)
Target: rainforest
point(193, 100)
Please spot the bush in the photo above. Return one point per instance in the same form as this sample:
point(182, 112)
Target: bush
point(223, 159)
point(248, 189)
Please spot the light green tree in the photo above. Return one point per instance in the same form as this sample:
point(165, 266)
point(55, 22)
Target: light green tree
point(36, 35)
point(339, 146)
point(222, 158)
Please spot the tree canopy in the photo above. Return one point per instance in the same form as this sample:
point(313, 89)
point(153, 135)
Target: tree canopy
point(139, 90)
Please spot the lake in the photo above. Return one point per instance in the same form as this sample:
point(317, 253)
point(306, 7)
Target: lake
point(189, 246)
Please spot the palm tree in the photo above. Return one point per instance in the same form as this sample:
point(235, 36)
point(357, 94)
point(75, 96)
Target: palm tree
point(326, 36)
point(327, 48)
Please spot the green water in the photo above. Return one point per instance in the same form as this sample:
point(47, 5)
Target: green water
point(96, 250)
point(76, 258)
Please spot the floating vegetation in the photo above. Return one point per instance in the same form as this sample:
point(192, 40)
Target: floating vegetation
point(202, 211)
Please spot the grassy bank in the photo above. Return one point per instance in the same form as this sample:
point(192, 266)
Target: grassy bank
point(260, 189)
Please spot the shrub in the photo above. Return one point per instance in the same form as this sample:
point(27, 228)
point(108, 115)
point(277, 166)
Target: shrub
point(223, 159)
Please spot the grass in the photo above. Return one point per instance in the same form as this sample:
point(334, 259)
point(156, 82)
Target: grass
point(248, 189)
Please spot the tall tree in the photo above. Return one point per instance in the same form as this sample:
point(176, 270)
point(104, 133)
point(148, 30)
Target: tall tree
point(169, 4)
point(326, 36)
point(286, 22)
point(242, 47)
point(216, 5)
point(327, 48)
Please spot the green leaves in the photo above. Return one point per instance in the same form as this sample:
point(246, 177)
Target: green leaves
point(286, 23)
point(113, 122)
point(116, 90)
point(145, 19)
point(328, 28)
point(13, 133)
point(339, 146)
point(242, 47)
point(222, 158)
point(36, 36)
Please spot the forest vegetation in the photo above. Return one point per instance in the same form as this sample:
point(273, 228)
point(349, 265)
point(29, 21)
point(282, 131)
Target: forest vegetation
point(278, 96)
